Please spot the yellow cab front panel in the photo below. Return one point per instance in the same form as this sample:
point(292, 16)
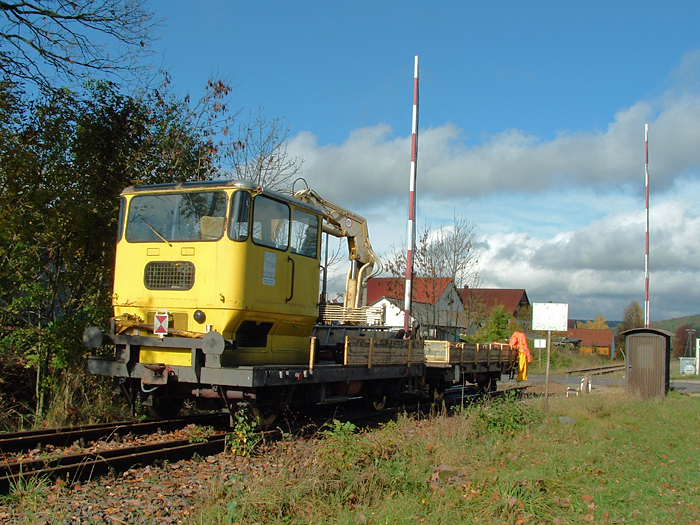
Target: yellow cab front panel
point(221, 256)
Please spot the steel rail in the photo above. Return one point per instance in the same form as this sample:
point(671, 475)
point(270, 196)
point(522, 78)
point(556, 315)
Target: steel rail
point(61, 437)
point(81, 467)
point(598, 370)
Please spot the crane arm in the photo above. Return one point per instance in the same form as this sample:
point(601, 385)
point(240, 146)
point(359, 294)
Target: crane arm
point(339, 222)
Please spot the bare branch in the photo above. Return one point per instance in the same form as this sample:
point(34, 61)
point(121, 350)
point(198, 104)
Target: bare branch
point(259, 154)
point(445, 252)
point(67, 39)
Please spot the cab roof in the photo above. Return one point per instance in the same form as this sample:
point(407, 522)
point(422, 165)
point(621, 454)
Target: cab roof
point(216, 185)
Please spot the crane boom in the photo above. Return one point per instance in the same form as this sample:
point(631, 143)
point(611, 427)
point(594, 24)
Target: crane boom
point(340, 222)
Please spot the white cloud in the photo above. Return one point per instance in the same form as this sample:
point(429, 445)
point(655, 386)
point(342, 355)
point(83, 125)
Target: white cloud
point(600, 268)
point(563, 219)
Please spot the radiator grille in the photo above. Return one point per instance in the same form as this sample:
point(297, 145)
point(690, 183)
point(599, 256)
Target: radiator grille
point(169, 275)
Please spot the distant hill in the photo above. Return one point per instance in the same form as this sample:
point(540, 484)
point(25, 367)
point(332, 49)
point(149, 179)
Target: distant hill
point(611, 324)
point(672, 324)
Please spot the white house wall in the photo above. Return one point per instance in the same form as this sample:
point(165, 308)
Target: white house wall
point(394, 314)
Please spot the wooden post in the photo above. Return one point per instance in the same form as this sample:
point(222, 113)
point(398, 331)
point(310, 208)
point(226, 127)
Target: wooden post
point(312, 353)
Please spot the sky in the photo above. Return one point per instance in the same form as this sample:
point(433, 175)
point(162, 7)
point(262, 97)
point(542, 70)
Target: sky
point(532, 120)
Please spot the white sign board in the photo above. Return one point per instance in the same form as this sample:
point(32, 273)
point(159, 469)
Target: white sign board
point(540, 343)
point(552, 317)
point(269, 268)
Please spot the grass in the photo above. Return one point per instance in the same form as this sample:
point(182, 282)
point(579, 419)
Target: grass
point(29, 494)
point(622, 460)
point(562, 361)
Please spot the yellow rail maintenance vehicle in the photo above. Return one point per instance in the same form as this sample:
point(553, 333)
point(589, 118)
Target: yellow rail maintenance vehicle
point(216, 298)
point(216, 294)
point(183, 270)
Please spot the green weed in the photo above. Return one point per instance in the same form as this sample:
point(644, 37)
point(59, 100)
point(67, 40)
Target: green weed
point(505, 415)
point(26, 491)
point(200, 434)
point(245, 436)
point(341, 431)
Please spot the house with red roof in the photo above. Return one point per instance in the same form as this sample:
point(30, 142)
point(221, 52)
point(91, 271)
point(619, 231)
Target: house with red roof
point(436, 305)
point(510, 299)
point(592, 341)
point(479, 302)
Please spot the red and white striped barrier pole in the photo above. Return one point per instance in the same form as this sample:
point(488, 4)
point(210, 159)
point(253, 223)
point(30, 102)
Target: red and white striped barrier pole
point(646, 243)
point(408, 296)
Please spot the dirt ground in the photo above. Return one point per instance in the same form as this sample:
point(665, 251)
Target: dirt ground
point(556, 388)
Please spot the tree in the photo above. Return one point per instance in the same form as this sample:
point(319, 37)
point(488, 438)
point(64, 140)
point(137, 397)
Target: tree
point(259, 154)
point(522, 320)
point(496, 330)
point(64, 159)
point(69, 39)
point(684, 341)
point(183, 137)
point(599, 323)
point(633, 317)
point(446, 252)
point(475, 311)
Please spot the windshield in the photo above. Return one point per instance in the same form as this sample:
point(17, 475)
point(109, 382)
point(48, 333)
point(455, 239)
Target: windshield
point(175, 217)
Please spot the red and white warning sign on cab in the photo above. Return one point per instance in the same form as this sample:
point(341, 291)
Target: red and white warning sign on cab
point(160, 322)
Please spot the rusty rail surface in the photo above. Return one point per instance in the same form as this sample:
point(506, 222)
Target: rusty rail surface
point(81, 467)
point(598, 370)
point(62, 437)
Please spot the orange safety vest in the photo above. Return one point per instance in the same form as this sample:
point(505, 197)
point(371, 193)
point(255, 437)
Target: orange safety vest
point(519, 341)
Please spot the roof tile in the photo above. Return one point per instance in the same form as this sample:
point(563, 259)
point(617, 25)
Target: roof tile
point(509, 298)
point(425, 289)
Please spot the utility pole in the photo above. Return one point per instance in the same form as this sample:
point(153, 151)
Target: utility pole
point(688, 345)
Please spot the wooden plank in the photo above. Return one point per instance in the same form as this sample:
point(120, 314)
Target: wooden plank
point(437, 351)
point(365, 315)
point(487, 354)
point(370, 352)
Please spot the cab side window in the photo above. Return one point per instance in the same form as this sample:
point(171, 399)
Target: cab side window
point(304, 239)
point(239, 216)
point(270, 223)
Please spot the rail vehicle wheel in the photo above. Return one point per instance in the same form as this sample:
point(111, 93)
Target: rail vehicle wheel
point(166, 407)
point(265, 416)
point(487, 385)
point(270, 404)
point(378, 403)
point(374, 396)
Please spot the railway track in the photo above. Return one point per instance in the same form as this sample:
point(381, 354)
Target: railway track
point(62, 437)
point(85, 465)
point(598, 370)
point(88, 464)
